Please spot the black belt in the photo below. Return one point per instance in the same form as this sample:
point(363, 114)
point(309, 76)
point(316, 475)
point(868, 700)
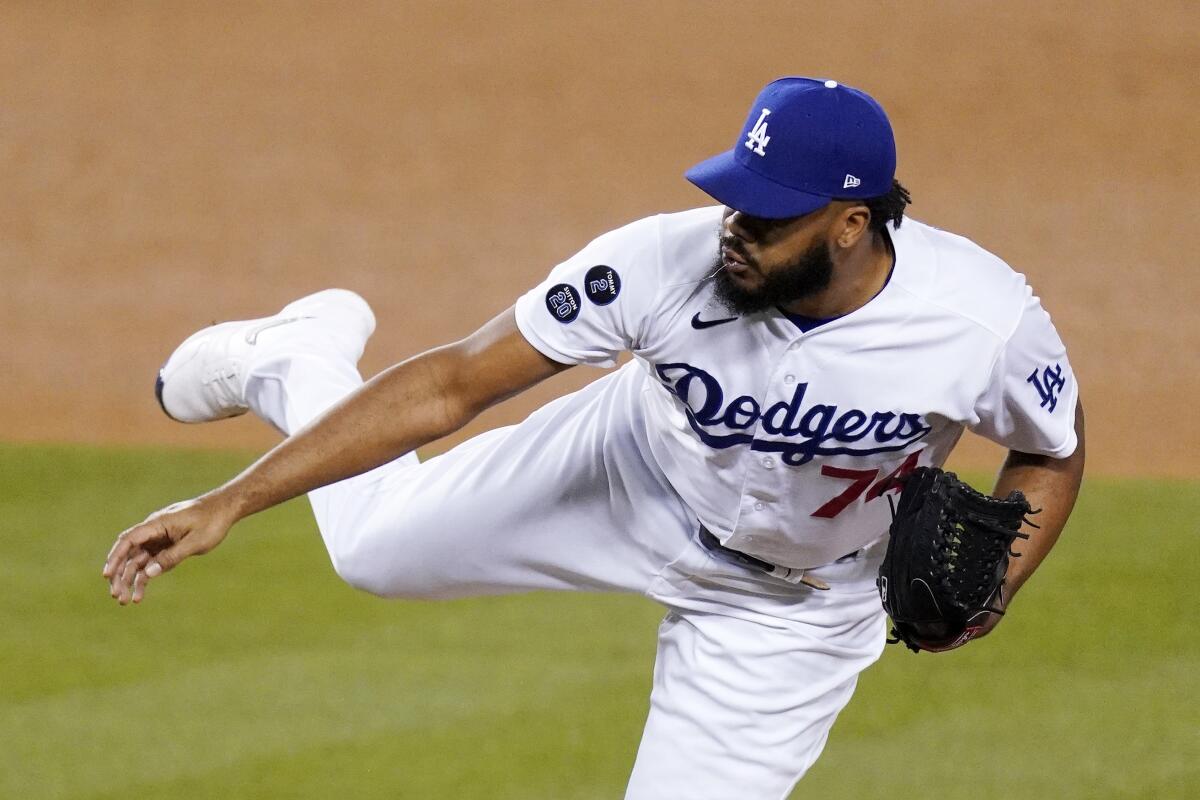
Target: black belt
point(789, 574)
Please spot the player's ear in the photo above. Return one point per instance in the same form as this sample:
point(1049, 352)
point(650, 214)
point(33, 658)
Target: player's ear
point(851, 225)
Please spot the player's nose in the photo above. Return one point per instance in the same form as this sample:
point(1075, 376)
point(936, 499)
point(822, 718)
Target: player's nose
point(739, 225)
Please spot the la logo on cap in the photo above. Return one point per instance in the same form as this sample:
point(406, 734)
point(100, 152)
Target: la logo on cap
point(758, 139)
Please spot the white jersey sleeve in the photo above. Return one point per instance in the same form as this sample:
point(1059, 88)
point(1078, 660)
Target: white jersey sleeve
point(1029, 402)
point(597, 303)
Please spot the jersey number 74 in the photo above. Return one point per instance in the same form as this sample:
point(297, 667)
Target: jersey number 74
point(863, 480)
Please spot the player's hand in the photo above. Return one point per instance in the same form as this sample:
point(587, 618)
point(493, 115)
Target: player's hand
point(157, 545)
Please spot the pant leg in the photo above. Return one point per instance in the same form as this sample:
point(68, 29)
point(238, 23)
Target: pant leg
point(751, 672)
point(568, 499)
point(289, 390)
point(750, 675)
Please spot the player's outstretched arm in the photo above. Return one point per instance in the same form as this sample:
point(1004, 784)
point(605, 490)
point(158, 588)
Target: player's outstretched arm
point(403, 408)
point(1051, 484)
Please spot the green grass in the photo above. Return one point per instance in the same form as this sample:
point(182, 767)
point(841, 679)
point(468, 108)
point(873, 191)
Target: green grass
point(256, 673)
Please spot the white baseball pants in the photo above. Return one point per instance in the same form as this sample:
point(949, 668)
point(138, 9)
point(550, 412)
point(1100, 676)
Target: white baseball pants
point(751, 671)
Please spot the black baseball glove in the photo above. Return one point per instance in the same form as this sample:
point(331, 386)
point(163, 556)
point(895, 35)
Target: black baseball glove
point(944, 568)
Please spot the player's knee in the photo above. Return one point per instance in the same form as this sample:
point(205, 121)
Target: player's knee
point(359, 574)
point(356, 565)
point(381, 574)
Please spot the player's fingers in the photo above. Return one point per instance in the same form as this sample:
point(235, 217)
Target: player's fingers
point(139, 586)
point(167, 559)
point(116, 555)
point(128, 570)
point(125, 580)
point(116, 580)
point(119, 588)
point(128, 573)
point(130, 540)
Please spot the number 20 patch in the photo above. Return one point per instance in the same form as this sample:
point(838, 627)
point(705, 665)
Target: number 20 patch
point(562, 301)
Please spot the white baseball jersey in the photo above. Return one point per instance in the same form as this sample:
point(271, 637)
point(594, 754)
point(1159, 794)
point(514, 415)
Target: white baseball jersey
point(783, 442)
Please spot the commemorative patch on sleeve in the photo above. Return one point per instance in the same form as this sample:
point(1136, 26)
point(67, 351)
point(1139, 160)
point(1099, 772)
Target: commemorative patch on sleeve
point(562, 301)
point(602, 284)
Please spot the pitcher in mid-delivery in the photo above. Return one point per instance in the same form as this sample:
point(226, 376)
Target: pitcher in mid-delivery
point(795, 351)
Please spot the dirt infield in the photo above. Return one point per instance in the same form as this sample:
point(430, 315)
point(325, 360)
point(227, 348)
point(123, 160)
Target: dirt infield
point(165, 164)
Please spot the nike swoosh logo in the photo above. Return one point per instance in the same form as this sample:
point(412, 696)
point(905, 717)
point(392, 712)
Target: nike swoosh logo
point(252, 334)
point(701, 324)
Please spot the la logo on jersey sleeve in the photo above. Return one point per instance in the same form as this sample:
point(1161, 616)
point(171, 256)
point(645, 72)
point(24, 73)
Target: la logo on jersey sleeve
point(1048, 383)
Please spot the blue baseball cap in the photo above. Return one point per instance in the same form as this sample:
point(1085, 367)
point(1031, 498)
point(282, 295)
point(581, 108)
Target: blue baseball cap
point(806, 142)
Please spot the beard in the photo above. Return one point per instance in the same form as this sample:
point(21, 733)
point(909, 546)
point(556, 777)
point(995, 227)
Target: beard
point(806, 275)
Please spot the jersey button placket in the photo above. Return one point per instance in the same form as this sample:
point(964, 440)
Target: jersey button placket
point(763, 489)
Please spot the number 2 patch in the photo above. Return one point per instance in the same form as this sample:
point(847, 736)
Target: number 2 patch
point(602, 284)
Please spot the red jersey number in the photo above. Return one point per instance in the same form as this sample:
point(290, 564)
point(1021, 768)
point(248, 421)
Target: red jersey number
point(862, 480)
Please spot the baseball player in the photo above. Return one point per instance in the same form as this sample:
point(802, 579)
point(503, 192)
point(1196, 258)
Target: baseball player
point(796, 349)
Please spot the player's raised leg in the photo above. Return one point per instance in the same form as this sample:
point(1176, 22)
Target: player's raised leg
point(547, 504)
point(288, 369)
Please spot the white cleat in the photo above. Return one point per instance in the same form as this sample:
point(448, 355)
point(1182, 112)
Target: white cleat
point(205, 378)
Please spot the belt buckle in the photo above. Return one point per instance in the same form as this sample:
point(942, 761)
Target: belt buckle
point(790, 574)
point(795, 576)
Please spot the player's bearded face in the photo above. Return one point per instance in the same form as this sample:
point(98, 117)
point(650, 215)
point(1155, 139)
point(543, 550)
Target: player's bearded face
point(758, 287)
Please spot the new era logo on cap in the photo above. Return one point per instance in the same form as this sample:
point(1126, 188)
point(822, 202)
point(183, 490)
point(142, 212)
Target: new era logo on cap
point(827, 141)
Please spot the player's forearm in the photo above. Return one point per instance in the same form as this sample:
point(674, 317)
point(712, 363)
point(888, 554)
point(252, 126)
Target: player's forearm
point(399, 410)
point(1051, 484)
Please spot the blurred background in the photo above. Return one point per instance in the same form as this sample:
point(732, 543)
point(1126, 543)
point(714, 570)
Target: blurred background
point(168, 164)
point(165, 164)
